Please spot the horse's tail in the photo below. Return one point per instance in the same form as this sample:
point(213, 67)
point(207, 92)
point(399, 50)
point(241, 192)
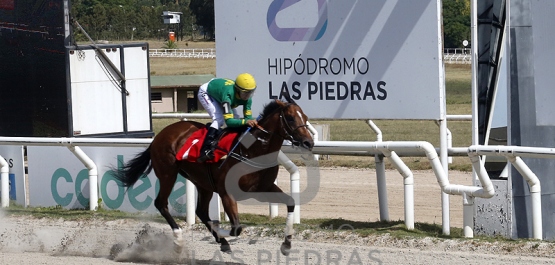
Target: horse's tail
point(137, 167)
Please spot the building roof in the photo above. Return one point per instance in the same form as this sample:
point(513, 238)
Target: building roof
point(179, 81)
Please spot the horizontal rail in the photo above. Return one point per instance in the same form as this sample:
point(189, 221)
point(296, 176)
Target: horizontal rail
point(455, 117)
point(63, 141)
point(208, 53)
point(180, 116)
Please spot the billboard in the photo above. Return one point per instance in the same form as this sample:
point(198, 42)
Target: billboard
point(59, 178)
point(32, 37)
point(99, 103)
point(337, 59)
point(39, 58)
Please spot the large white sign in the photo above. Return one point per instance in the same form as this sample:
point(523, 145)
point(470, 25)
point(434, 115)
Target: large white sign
point(57, 177)
point(98, 103)
point(13, 154)
point(337, 59)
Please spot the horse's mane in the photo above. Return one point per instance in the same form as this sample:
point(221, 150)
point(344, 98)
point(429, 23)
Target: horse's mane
point(274, 105)
point(270, 108)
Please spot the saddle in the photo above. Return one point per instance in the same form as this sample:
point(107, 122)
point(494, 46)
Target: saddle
point(190, 151)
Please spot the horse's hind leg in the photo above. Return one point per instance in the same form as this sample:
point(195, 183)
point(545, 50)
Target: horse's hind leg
point(167, 181)
point(230, 208)
point(204, 197)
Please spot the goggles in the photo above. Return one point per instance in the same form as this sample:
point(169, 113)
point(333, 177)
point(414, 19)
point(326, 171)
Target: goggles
point(244, 94)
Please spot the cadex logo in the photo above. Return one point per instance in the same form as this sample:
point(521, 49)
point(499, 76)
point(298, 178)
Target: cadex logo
point(297, 33)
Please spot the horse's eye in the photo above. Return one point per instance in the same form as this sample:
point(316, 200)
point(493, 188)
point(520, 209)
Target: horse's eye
point(289, 119)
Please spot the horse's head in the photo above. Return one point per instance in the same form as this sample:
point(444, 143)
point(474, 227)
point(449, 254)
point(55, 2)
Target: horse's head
point(293, 123)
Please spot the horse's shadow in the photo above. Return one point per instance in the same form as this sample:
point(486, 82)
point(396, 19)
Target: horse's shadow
point(365, 228)
point(203, 262)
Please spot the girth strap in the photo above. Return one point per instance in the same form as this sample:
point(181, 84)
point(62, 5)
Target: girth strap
point(210, 176)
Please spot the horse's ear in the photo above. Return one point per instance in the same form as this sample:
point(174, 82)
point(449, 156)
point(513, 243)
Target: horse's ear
point(280, 103)
point(287, 97)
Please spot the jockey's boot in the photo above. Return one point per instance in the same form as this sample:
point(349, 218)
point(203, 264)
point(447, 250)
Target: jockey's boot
point(207, 149)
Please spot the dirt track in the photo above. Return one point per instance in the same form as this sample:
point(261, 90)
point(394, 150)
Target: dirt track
point(343, 193)
point(352, 194)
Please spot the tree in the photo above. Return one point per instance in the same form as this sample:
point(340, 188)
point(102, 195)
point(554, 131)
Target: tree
point(456, 23)
point(141, 19)
point(203, 10)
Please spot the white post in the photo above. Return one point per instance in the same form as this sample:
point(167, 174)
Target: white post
point(190, 191)
point(5, 182)
point(274, 209)
point(380, 176)
point(468, 216)
point(535, 195)
point(468, 209)
point(382, 188)
point(315, 137)
point(449, 145)
point(537, 227)
point(93, 175)
point(408, 181)
point(449, 140)
point(444, 162)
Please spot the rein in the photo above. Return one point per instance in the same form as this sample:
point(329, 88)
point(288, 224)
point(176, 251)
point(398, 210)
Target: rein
point(252, 163)
point(288, 131)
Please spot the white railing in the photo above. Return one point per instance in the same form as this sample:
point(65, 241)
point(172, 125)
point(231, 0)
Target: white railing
point(457, 56)
point(209, 53)
point(390, 150)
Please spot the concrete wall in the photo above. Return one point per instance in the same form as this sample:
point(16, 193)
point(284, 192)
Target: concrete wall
point(531, 120)
point(166, 105)
point(187, 100)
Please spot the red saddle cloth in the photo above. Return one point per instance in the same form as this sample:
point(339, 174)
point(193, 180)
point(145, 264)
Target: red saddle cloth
point(191, 149)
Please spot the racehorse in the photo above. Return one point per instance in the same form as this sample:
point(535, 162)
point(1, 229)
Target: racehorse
point(249, 171)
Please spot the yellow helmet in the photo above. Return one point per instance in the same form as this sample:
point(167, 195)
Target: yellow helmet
point(245, 82)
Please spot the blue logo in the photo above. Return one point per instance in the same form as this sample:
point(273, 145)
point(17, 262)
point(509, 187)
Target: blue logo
point(296, 34)
point(11, 187)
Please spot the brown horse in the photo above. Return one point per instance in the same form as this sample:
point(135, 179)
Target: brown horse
point(249, 171)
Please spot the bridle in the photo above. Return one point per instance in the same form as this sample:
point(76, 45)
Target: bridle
point(289, 130)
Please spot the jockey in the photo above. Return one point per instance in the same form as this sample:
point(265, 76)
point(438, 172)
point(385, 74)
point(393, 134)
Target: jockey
point(219, 97)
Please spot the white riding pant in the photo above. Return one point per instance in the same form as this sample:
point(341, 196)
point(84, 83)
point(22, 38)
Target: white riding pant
point(213, 107)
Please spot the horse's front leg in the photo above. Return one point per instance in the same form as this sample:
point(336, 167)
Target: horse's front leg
point(275, 195)
point(289, 231)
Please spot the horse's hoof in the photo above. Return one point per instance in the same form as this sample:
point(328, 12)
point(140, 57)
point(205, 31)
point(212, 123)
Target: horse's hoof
point(225, 249)
point(236, 231)
point(177, 248)
point(285, 249)
point(178, 240)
